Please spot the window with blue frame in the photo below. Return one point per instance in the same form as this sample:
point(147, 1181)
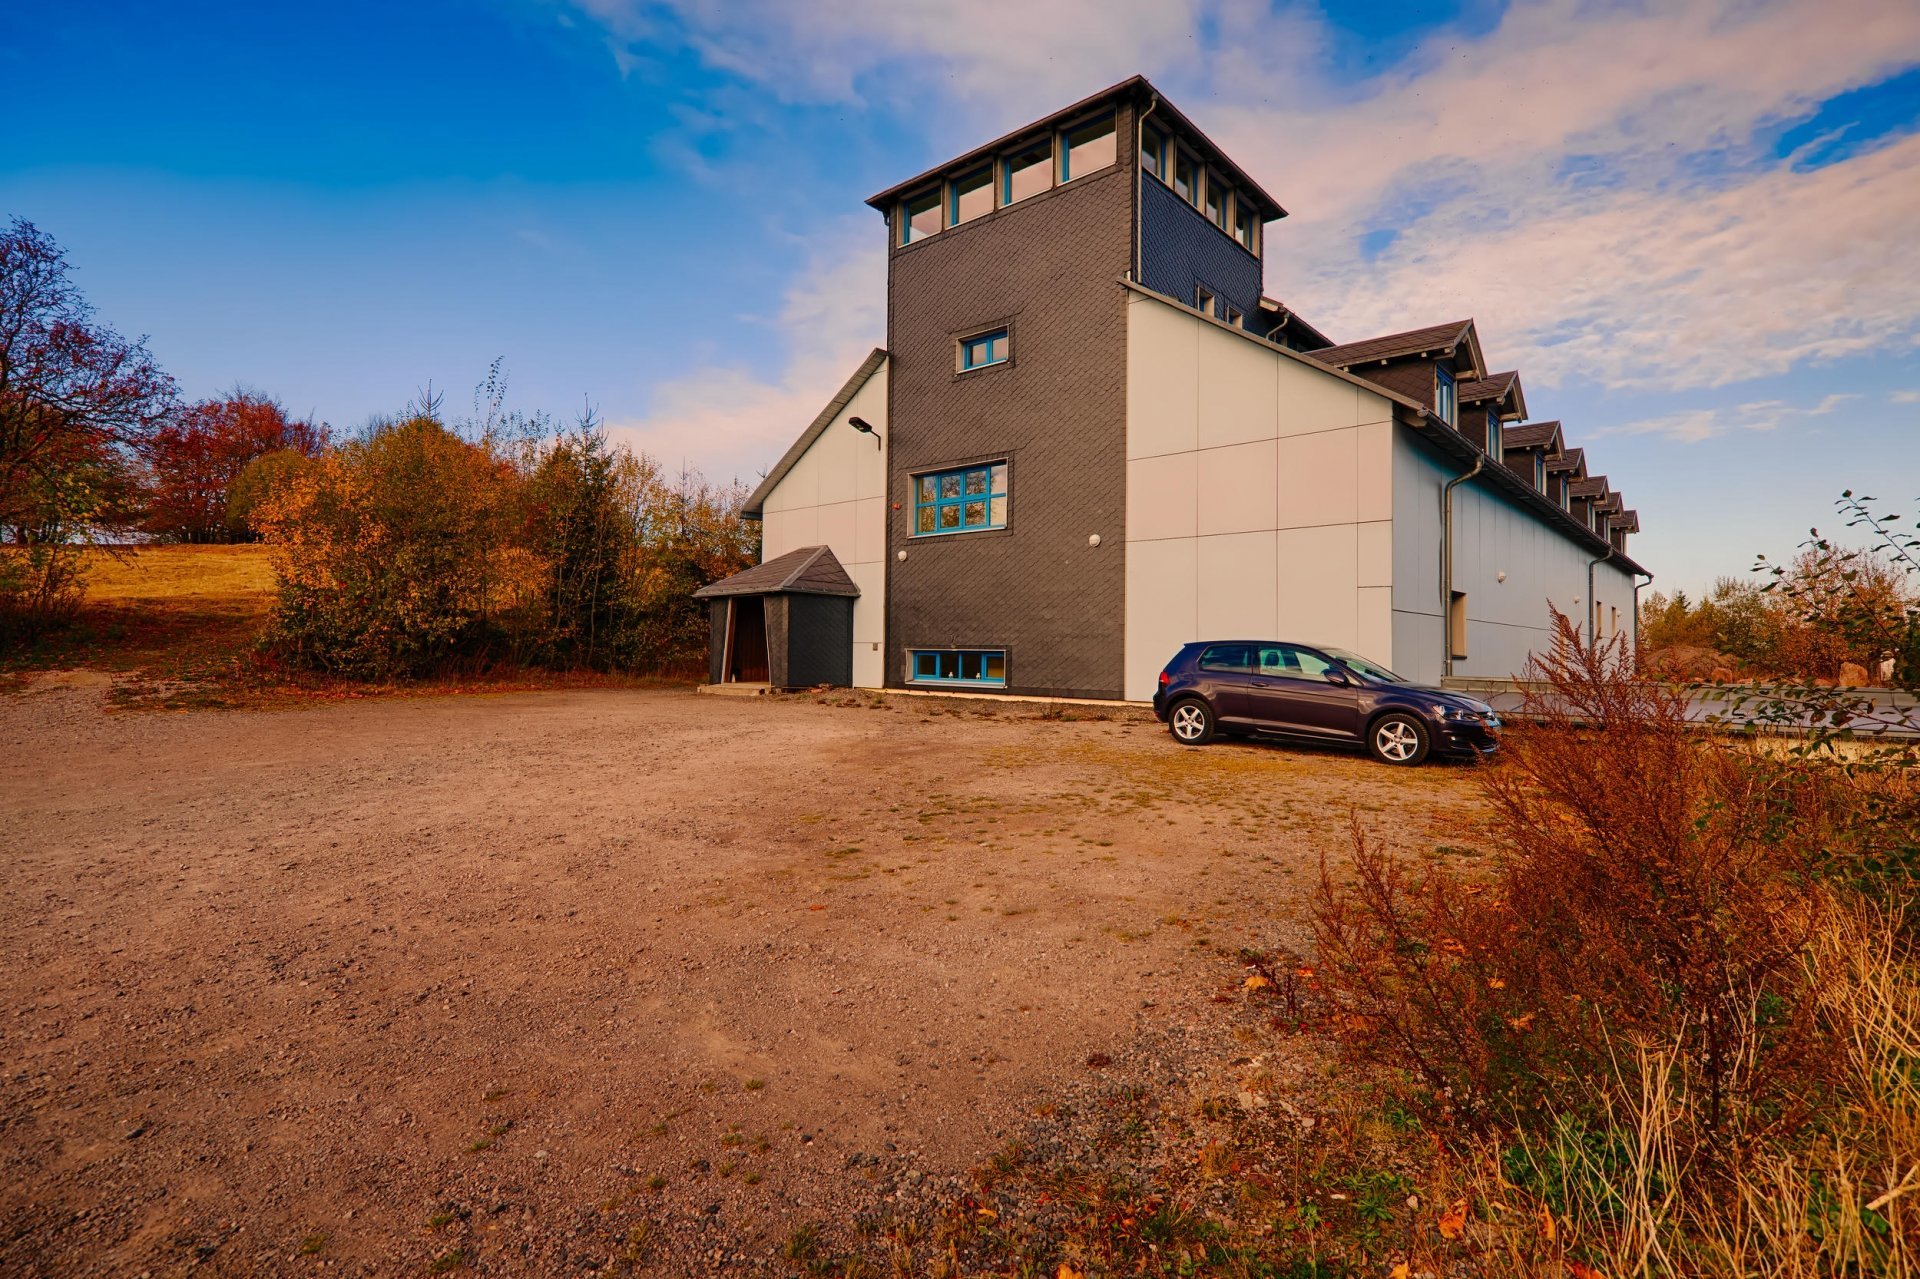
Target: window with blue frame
point(982, 349)
point(979, 668)
point(972, 196)
point(960, 501)
point(1445, 405)
point(1087, 149)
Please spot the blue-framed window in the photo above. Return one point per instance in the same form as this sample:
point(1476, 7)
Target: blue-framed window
point(960, 501)
point(983, 349)
point(962, 667)
point(1087, 149)
point(920, 216)
point(1153, 152)
point(972, 196)
point(1445, 401)
point(1540, 470)
point(1028, 171)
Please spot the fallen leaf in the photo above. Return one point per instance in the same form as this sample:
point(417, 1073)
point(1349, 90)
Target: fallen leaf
point(1400, 1271)
point(989, 1213)
point(1546, 1223)
point(1453, 1222)
point(1494, 983)
point(1581, 1270)
point(1256, 981)
point(1523, 1022)
point(1068, 1272)
point(1303, 971)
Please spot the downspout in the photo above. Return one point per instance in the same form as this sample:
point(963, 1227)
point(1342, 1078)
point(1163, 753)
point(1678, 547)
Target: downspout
point(1139, 139)
point(1637, 584)
point(1593, 606)
point(1446, 563)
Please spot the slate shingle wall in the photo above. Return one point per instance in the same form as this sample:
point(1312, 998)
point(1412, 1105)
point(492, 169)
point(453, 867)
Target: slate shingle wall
point(1049, 268)
point(1179, 248)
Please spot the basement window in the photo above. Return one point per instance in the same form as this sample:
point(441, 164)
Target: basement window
point(974, 667)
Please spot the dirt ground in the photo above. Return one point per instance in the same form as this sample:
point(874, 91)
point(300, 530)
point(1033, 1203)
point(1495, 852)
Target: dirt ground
point(596, 980)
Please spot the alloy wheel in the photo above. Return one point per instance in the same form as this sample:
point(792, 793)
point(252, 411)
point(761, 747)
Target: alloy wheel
point(1189, 722)
point(1397, 740)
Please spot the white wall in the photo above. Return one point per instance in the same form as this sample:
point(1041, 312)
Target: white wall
point(1507, 620)
point(1259, 497)
point(836, 495)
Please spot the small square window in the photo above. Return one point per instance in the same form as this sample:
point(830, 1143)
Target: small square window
point(921, 218)
point(972, 196)
point(1203, 299)
point(979, 351)
point(1087, 149)
point(1236, 318)
point(1028, 172)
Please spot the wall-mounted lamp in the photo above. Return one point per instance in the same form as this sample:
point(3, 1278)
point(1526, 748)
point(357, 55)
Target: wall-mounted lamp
point(865, 427)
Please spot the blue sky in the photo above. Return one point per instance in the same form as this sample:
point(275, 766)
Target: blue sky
point(1689, 225)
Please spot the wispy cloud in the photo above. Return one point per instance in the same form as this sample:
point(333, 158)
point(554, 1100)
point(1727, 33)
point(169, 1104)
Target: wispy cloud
point(1691, 426)
point(1904, 397)
point(1598, 185)
point(732, 424)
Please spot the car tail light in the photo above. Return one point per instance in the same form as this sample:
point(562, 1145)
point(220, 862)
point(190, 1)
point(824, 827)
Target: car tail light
point(1165, 679)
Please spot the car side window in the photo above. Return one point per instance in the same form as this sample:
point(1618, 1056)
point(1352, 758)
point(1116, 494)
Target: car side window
point(1311, 664)
point(1288, 662)
point(1230, 658)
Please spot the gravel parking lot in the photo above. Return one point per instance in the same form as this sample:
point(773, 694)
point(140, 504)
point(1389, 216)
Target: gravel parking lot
point(550, 982)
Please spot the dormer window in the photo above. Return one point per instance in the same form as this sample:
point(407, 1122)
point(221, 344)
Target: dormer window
point(1446, 403)
point(1496, 445)
point(1540, 471)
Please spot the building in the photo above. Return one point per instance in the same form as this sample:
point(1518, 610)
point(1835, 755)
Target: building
point(1091, 438)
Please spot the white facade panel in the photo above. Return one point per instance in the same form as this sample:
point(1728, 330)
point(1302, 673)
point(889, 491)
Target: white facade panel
point(834, 495)
point(1237, 490)
point(1242, 520)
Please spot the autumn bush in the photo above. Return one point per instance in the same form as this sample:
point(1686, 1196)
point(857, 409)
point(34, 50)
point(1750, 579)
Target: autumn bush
point(418, 549)
point(1657, 935)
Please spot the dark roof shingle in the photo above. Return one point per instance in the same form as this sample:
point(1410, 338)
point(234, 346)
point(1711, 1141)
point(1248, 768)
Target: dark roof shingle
point(811, 570)
point(1437, 337)
point(1532, 435)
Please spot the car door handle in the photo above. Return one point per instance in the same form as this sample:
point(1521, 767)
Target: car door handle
point(1260, 683)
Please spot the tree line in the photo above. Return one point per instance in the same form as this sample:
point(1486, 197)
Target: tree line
point(416, 545)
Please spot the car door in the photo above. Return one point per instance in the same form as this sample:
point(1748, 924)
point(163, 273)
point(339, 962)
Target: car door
point(1223, 672)
point(1290, 692)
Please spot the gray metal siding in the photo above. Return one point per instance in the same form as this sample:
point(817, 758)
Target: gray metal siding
point(1179, 248)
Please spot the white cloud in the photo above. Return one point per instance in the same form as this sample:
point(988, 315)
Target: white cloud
point(1691, 426)
point(1595, 184)
point(730, 423)
point(1904, 397)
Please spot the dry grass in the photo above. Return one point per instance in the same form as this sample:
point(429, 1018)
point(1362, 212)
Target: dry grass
point(229, 573)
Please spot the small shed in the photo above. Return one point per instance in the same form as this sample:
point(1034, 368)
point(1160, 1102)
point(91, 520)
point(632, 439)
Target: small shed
point(787, 623)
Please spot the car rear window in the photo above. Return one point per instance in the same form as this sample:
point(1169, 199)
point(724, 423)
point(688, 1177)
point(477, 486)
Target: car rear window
point(1225, 657)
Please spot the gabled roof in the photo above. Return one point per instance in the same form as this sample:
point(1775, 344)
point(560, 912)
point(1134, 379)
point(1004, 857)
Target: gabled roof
point(1436, 339)
point(811, 570)
point(815, 429)
point(1627, 522)
point(1532, 435)
point(1496, 386)
point(1140, 89)
point(1574, 460)
point(1593, 486)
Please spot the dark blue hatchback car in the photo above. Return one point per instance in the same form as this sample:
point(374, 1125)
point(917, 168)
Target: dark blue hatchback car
point(1268, 688)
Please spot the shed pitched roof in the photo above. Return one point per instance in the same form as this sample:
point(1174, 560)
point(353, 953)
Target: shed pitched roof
point(1395, 346)
point(1533, 435)
point(811, 570)
point(756, 500)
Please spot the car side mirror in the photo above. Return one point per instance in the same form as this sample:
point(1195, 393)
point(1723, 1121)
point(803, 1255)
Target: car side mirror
point(1337, 676)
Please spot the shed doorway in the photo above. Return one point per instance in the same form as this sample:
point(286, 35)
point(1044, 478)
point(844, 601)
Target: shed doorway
point(746, 640)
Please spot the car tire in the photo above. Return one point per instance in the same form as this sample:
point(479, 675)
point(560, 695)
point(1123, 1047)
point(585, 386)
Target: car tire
point(1191, 722)
point(1400, 739)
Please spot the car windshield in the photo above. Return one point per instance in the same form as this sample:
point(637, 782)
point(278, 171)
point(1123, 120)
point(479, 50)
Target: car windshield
point(1372, 670)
